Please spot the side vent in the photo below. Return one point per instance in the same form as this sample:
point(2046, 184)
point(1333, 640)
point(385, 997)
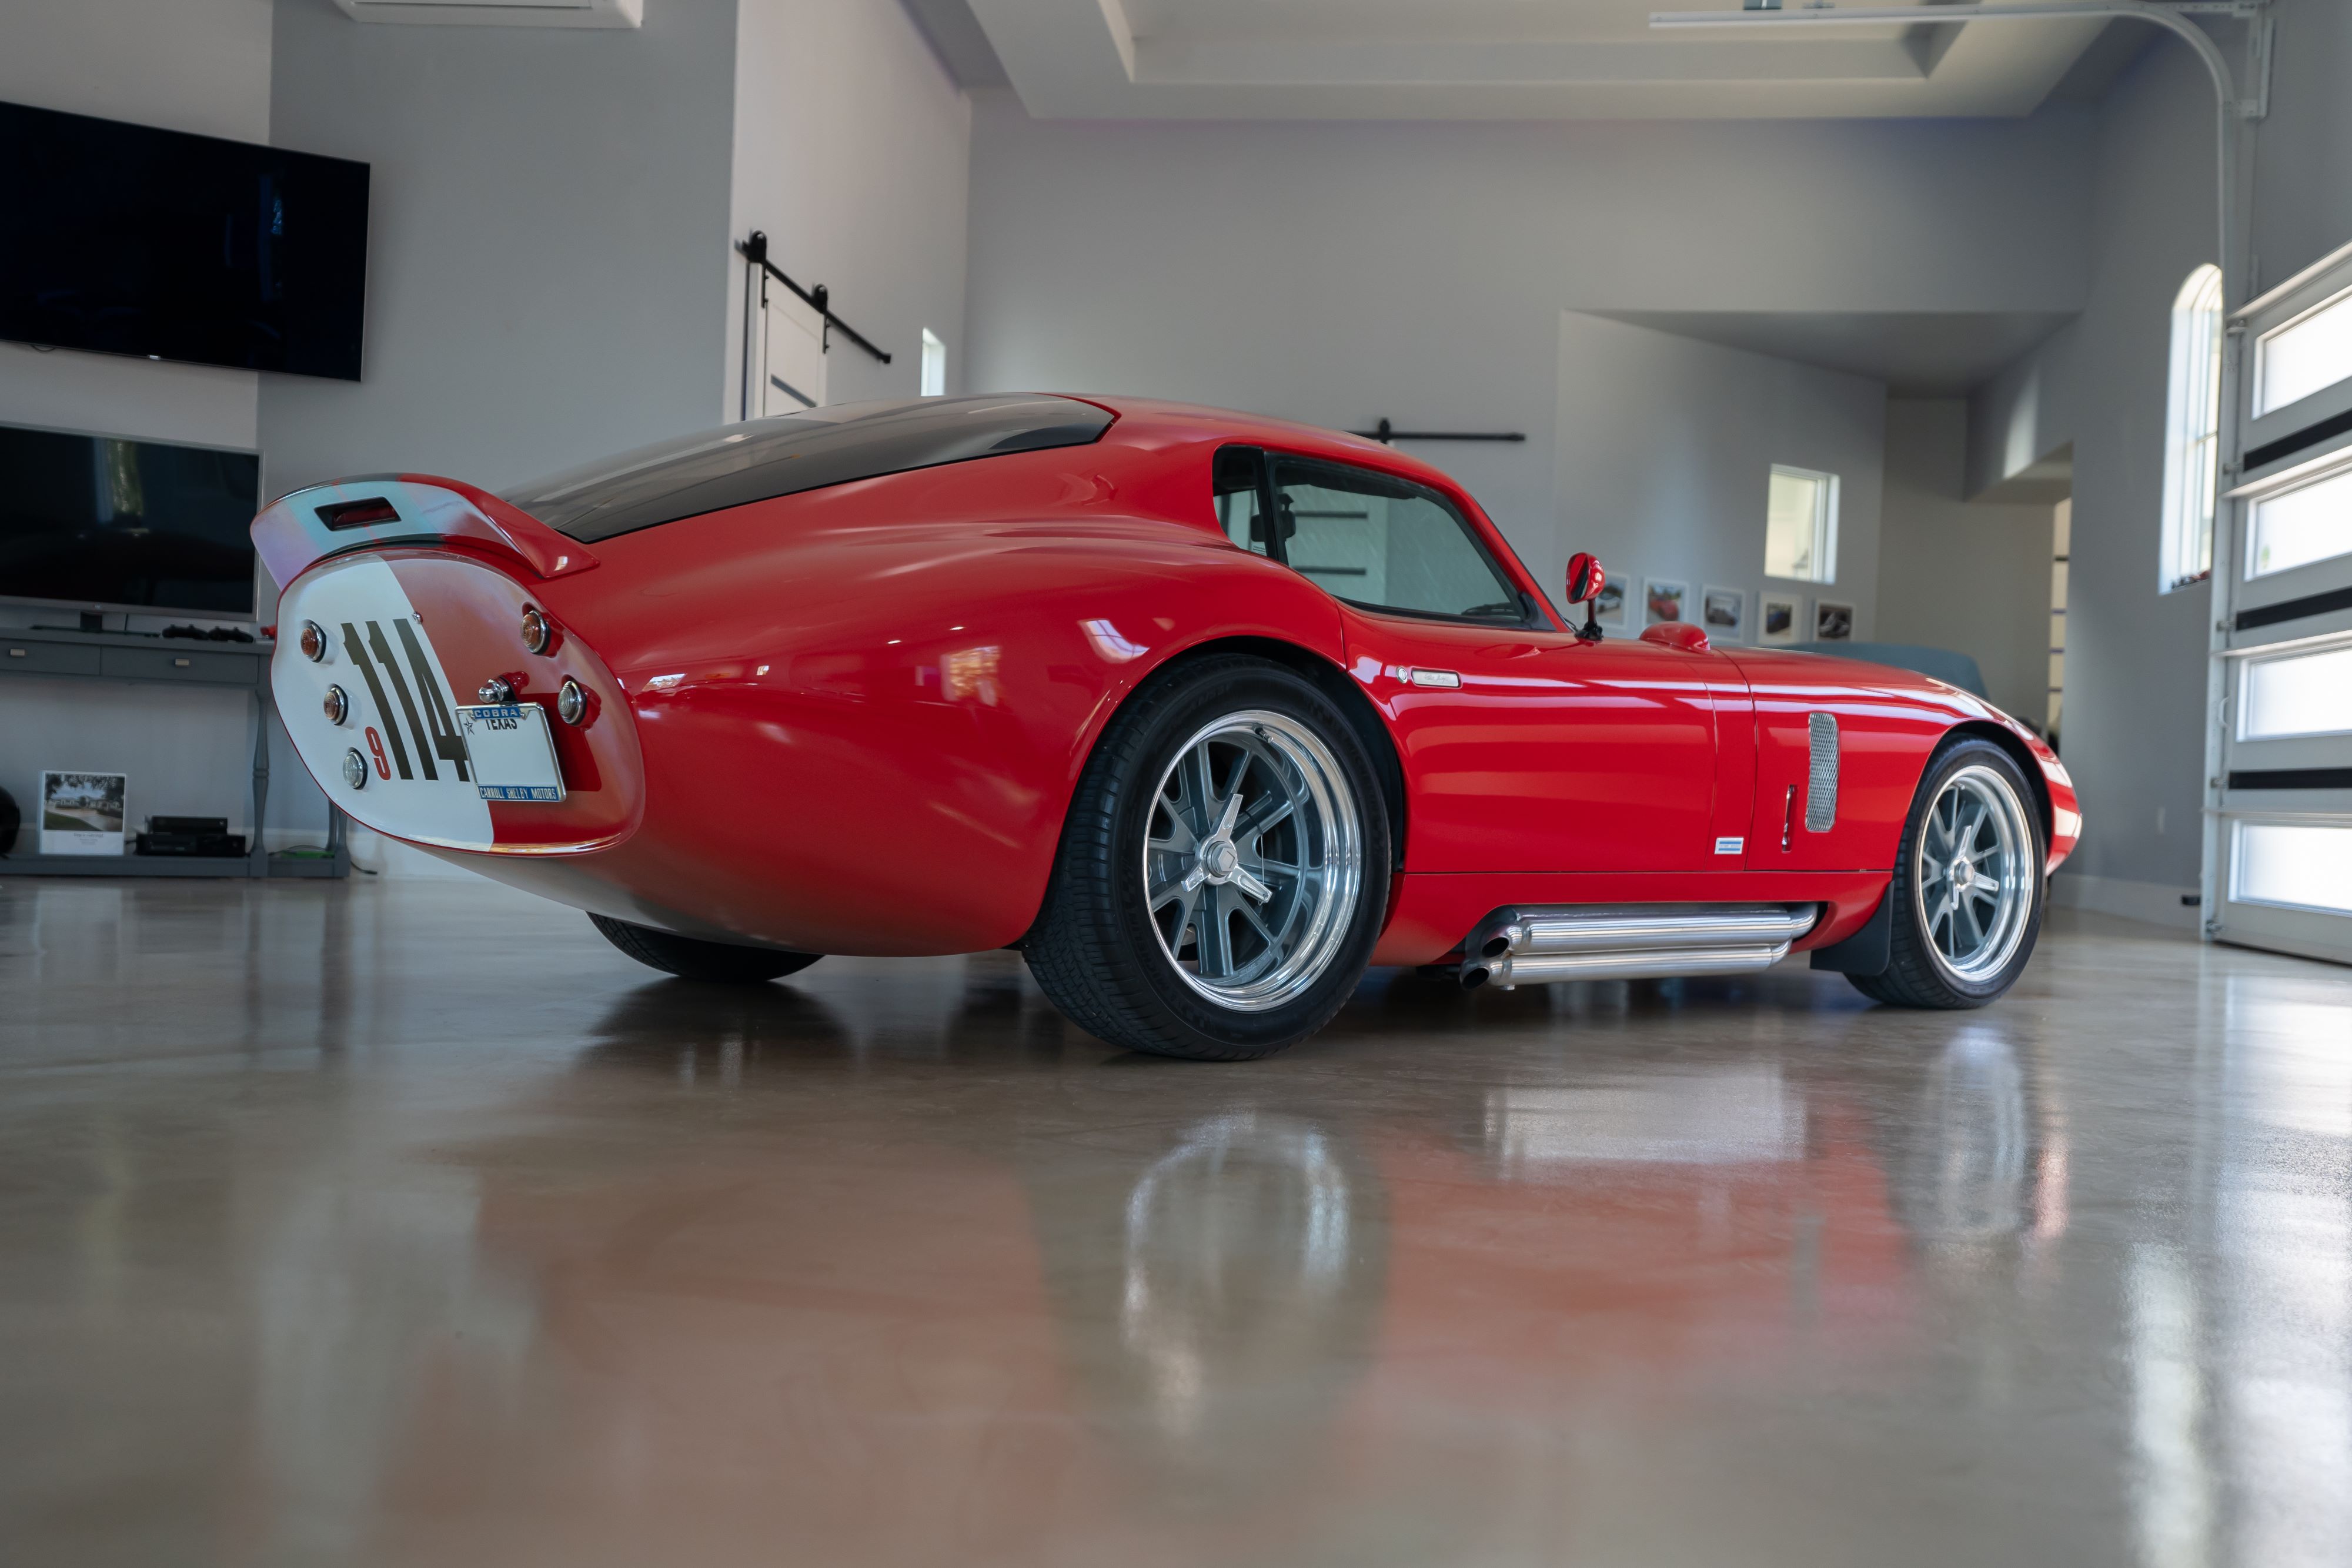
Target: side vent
point(1820, 772)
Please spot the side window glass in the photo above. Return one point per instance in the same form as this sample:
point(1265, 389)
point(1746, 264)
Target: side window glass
point(1238, 473)
point(1386, 544)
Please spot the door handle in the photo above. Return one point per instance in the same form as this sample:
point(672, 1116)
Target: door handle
point(1789, 819)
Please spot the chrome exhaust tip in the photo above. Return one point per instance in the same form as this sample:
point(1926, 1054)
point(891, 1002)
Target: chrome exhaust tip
point(1630, 942)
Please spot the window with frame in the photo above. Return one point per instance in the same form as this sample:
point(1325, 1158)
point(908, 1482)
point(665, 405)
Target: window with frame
point(2192, 431)
point(2308, 354)
point(1801, 511)
point(1385, 544)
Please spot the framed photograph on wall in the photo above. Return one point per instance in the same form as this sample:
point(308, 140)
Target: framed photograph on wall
point(1609, 604)
point(1723, 613)
point(81, 813)
point(1832, 621)
point(1663, 600)
point(1779, 618)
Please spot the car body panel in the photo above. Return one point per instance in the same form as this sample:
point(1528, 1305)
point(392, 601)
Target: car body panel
point(852, 719)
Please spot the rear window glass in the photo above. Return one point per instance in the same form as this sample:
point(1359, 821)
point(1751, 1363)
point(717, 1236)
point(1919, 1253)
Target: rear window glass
point(763, 458)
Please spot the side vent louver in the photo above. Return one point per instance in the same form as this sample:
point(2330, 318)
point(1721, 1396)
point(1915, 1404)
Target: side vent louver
point(1820, 772)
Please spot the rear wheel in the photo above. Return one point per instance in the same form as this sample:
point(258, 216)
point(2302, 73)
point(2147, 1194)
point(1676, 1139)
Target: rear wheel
point(1968, 886)
point(1223, 871)
point(692, 959)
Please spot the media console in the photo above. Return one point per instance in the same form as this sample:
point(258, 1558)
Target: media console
point(118, 656)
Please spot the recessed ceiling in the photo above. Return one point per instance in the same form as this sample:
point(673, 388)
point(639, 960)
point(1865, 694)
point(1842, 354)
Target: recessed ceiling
point(1917, 353)
point(1488, 59)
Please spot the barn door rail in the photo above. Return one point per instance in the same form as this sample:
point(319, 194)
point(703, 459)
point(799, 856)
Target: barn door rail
point(755, 251)
point(1384, 433)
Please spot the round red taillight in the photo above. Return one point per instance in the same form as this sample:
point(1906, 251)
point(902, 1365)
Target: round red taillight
point(314, 641)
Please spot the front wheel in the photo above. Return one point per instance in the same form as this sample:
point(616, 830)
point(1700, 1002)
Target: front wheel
point(1223, 871)
point(692, 959)
point(1969, 885)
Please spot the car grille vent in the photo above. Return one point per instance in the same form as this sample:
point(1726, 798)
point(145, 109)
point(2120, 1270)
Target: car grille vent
point(1820, 772)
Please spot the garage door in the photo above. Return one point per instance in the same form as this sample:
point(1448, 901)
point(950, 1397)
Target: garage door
point(2279, 852)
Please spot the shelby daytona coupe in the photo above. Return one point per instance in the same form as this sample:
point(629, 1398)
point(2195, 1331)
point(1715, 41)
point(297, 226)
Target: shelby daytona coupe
point(1203, 712)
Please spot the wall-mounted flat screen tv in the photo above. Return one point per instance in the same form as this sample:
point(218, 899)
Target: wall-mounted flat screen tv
point(100, 523)
point(124, 239)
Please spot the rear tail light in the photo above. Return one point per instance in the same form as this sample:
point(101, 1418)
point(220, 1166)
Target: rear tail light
point(572, 703)
point(537, 634)
point(338, 705)
point(314, 641)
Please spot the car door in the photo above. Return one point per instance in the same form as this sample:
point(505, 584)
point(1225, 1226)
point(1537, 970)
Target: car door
point(1525, 747)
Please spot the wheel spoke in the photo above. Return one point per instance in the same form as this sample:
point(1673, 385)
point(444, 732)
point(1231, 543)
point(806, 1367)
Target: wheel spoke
point(1270, 812)
point(1192, 779)
point(1965, 909)
point(1213, 938)
point(1249, 911)
point(1181, 839)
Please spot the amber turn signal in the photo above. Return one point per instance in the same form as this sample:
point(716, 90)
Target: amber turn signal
point(537, 634)
point(338, 705)
point(314, 641)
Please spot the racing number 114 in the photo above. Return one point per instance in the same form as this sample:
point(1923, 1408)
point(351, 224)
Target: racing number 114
point(433, 725)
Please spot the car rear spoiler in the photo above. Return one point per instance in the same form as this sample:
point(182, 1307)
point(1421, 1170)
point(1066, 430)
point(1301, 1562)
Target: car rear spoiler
point(296, 532)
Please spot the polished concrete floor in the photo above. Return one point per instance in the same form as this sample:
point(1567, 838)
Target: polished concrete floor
point(408, 1223)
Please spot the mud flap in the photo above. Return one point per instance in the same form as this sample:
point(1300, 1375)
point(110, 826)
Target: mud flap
point(1867, 952)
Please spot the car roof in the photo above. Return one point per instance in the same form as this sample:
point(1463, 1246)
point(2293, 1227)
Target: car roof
point(1153, 422)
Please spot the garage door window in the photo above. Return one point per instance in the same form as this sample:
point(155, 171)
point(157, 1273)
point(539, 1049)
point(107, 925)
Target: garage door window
point(1386, 544)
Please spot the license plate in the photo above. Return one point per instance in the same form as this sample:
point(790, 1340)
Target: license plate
point(512, 752)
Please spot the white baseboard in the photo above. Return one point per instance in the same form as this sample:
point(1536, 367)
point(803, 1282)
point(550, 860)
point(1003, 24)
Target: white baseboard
point(2156, 903)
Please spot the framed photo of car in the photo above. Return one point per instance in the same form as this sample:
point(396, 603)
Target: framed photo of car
point(81, 813)
point(1663, 600)
point(1832, 621)
point(1779, 618)
point(1724, 612)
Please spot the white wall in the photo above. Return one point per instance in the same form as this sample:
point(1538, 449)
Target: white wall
point(2134, 736)
point(1664, 445)
point(547, 248)
point(1970, 577)
point(1340, 273)
point(853, 152)
point(199, 65)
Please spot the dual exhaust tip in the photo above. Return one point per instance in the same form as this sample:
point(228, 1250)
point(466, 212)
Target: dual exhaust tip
point(1626, 942)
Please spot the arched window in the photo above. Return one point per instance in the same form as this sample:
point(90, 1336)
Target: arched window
point(2192, 431)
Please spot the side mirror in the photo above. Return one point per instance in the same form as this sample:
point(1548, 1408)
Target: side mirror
point(1585, 580)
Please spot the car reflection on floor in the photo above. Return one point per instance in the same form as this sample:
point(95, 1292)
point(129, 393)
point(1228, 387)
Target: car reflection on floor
point(809, 1296)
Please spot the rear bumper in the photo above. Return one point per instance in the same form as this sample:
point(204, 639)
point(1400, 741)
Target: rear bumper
point(409, 633)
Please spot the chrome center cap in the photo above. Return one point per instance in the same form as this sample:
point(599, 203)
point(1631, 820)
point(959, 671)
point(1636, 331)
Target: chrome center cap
point(1964, 872)
point(1218, 859)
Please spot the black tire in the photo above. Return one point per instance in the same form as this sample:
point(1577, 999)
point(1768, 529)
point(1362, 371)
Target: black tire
point(692, 959)
point(1918, 973)
point(1098, 951)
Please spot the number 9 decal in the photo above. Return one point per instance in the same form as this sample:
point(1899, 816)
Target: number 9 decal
point(376, 746)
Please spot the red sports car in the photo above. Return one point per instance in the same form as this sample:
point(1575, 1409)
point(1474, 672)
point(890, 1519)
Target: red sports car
point(1203, 712)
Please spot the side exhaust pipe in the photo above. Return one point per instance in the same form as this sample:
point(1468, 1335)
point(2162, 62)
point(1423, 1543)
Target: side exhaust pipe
point(1628, 942)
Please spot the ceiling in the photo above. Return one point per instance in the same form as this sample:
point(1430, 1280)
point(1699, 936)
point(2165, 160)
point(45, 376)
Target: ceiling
point(1489, 59)
point(1917, 353)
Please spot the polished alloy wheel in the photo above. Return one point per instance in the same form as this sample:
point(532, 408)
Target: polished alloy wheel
point(1976, 874)
point(1254, 860)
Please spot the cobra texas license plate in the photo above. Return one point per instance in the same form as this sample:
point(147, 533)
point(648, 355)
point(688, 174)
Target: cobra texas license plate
point(512, 752)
